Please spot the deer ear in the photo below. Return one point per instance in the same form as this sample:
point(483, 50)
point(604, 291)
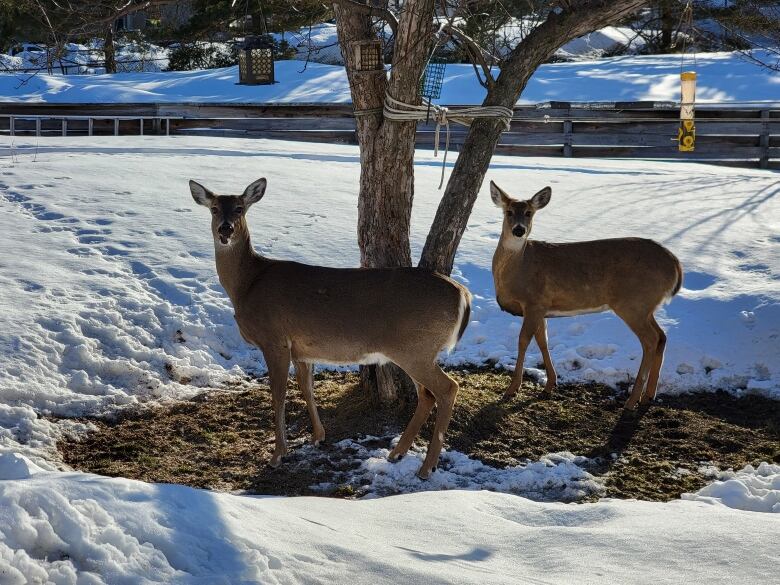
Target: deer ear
point(499, 197)
point(542, 198)
point(254, 192)
point(200, 194)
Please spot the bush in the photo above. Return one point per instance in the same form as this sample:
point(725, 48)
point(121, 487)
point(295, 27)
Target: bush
point(200, 56)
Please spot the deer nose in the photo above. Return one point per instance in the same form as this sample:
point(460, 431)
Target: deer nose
point(518, 231)
point(225, 229)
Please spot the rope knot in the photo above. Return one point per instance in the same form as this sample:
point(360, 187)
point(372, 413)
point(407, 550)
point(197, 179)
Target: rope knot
point(401, 112)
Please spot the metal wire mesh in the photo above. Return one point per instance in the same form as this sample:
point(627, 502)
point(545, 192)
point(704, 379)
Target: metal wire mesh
point(432, 80)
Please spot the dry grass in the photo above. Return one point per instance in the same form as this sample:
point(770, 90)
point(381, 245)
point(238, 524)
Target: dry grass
point(223, 439)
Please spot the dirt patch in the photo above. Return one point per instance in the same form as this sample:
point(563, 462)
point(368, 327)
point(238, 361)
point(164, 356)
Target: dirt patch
point(223, 439)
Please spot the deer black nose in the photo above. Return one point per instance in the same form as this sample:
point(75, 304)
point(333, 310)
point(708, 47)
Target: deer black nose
point(519, 231)
point(225, 229)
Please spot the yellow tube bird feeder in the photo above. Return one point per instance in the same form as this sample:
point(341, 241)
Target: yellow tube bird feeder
point(686, 135)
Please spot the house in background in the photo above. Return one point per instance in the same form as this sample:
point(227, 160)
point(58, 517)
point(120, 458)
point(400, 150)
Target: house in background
point(171, 14)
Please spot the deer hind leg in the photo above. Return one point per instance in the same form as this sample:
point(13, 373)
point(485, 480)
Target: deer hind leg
point(541, 341)
point(278, 368)
point(648, 337)
point(303, 373)
point(531, 323)
point(425, 402)
point(444, 390)
point(655, 368)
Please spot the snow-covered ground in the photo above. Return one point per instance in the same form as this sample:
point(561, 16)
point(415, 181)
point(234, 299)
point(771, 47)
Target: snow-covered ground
point(722, 77)
point(108, 297)
point(109, 291)
point(74, 528)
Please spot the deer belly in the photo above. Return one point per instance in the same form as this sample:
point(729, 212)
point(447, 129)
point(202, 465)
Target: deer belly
point(578, 311)
point(335, 354)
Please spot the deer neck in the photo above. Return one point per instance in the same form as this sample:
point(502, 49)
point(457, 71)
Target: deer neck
point(238, 265)
point(508, 258)
point(510, 251)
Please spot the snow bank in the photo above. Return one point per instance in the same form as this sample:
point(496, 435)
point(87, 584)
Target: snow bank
point(79, 528)
point(753, 489)
point(652, 77)
point(123, 304)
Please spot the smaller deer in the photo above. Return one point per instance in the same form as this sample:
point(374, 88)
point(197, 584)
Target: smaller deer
point(309, 314)
point(536, 280)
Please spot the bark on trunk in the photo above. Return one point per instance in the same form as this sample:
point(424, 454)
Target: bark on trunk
point(109, 50)
point(667, 25)
point(386, 155)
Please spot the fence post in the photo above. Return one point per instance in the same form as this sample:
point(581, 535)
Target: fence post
point(37, 126)
point(764, 140)
point(64, 126)
point(116, 126)
point(141, 126)
point(11, 125)
point(89, 127)
point(567, 138)
point(167, 126)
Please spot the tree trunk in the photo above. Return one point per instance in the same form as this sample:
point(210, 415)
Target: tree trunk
point(109, 50)
point(386, 154)
point(667, 25)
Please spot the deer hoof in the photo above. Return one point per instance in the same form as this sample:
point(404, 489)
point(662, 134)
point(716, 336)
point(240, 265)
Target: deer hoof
point(318, 439)
point(276, 460)
point(394, 456)
point(508, 395)
point(425, 474)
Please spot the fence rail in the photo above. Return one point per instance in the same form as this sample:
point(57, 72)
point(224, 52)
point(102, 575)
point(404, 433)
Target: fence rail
point(736, 136)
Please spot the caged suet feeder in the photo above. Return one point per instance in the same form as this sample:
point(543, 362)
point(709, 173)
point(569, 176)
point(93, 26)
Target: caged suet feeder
point(368, 56)
point(256, 60)
point(432, 80)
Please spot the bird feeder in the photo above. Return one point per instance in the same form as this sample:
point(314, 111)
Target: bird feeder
point(432, 80)
point(256, 61)
point(368, 55)
point(686, 135)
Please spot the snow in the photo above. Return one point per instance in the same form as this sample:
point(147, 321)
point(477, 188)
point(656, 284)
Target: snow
point(362, 465)
point(722, 77)
point(110, 295)
point(77, 58)
point(754, 489)
point(80, 528)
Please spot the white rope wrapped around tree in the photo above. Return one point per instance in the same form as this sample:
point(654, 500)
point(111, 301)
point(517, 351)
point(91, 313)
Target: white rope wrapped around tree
point(401, 112)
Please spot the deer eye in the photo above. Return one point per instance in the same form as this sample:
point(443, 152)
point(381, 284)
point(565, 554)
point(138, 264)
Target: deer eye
point(528, 214)
point(214, 210)
point(239, 209)
point(509, 213)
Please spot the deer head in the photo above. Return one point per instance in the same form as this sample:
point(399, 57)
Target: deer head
point(518, 214)
point(228, 211)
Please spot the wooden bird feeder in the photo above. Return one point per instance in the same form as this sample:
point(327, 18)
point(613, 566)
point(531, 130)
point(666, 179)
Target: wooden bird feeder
point(256, 61)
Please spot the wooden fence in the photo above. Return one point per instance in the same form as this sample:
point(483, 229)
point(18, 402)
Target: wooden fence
point(646, 130)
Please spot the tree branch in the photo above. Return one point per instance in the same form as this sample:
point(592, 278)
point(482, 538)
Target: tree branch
point(479, 56)
point(370, 10)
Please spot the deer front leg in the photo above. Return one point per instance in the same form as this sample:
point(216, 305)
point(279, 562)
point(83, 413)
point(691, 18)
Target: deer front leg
point(303, 373)
point(278, 368)
point(425, 403)
point(541, 341)
point(530, 325)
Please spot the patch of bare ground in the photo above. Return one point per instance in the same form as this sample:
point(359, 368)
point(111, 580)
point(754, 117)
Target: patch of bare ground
point(223, 439)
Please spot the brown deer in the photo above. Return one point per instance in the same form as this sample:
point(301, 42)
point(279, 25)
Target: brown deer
point(536, 280)
point(312, 314)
